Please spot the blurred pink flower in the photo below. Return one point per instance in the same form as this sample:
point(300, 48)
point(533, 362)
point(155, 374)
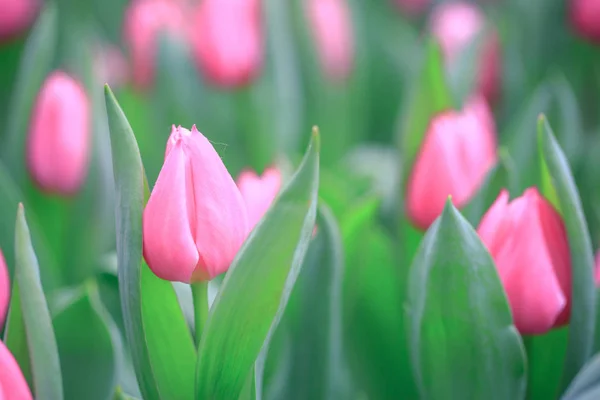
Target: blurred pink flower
point(259, 192)
point(16, 16)
point(144, 21)
point(12, 382)
point(412, 7)
point(4, 289)
point(585, 17)
point(458, 150)
point(527, 239)
point(111, 66)
point(59, 135)
point(331, 24)
point(227, 40)
point(455, 25)
point(195, 220)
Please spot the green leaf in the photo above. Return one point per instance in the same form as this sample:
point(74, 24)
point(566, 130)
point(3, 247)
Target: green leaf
point(463, 72)
point(41, 342)
point(35, 64)
point(87, 354)
point(258, 284)
point(161, 344)
point(545, 366)
point(430, 95)
point(583, 300)
point(310, 365)
point(458, 315)
point(586, 385)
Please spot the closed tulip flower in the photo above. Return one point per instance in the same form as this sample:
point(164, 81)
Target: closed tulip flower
point(59, 135)
point(12, 382)
point(458, 150)
point(585, 17)
point(4, 289)
point(16, 16)
point(227, 41)
point(455, 25)
point(527, 239)
point(331, 24)
point(259, 192)
point(195, 220)
point(145, 20)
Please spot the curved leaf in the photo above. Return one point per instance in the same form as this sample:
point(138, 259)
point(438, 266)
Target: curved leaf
point(161, 344)
point(586, 384)
point(257, 285)
point(462, 339)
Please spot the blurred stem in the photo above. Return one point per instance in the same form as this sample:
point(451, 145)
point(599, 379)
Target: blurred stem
point(528, 343)
point(200, 297)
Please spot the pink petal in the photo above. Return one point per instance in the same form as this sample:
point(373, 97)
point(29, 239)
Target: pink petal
point(221, 218)
point(494, 226)
point(584, 15)
point(259, 192)
point(4, 289)
point(16, 16)
point(12, 383)
point(455, 25)
point(169, 221)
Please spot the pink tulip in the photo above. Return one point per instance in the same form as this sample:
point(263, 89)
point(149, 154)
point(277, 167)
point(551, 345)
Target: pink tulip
point(59, 135)
point(4, 289)
point(585, 17)
point(16, 16)
point(331, 24)
point(413, 7)
point(597, 269)
point(110, 66)
point(227, 40)
point(195, 220)
point(144, 21)
point(458, 151)
point(259, 192)
point(528, 242)
point(13, 385)
point(455, 25)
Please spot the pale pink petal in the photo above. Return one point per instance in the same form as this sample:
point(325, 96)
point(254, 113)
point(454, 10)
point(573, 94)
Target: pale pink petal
point(259, 192)
point(455, 25)
point(412, 7)
point(597, 269)
point(169, 221)
point(59, 135)
point(494, 225)
point(12, 383)
point(221, 218)
point(4, 289)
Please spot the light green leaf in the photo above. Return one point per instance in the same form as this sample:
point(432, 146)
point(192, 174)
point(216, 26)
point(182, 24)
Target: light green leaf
point(586, 385)
point(258, 284)
point(161, 344)
point(458, 315)
point(583, 299)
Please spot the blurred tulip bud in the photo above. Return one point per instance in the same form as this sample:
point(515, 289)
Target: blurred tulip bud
point(597, 269)
point(59, 135)
point(195, 220)
point(110, 66)
point(412, 7)
point(455, 25)
point(12, 382)
point(458, 151)
point(144, 21)
point(4, 289)
point(331, 24)
point(259, 192)
point(16, 16)
point(227, 41)
point(585, 17)
point(528, 242)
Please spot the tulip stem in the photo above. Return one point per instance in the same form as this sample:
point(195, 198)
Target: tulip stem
point(200, 297)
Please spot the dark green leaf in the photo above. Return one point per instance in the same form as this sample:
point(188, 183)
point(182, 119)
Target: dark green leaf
point(258, 284)
point(458, 315)
point(161, 344)
point(583, 300)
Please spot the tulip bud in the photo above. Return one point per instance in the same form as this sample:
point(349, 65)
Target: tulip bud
point(16, 16)
point(332, 29)
point(528, 242)
point(195, 220)
point(585, 17)
point(412, 7)
point(227, 40)
point(4, 289)
point(110, 66)
point(59, 135)
point(455, 26)
point(13, 385)
point(144, 21)
point(597, 269)
point(458, 150)
point(259, 192)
